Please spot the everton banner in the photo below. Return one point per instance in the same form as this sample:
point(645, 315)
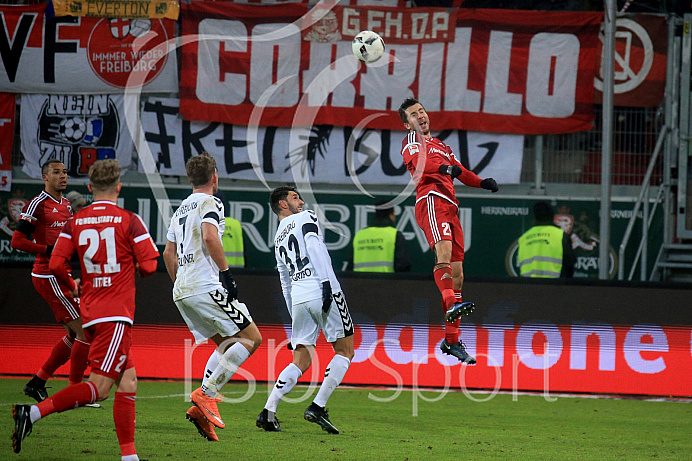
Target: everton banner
point(76, 130)
point(323, 153)
point(132, 9)
point(519, 72)
point(84, 55)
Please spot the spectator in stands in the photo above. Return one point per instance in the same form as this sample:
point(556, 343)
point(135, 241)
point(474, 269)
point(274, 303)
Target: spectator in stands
point(77, 201)
point(545, 250)
point(379, 247)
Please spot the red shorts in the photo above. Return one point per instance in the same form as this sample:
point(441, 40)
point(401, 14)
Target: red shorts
point(109, 354)
point(439, 220)
point(64, 306)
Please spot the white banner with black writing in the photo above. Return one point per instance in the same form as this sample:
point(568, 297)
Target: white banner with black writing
point(74, 129)
point(323, 153)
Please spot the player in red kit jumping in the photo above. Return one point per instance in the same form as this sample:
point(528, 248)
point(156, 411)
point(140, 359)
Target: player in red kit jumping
point(112, 245)
point(434, 168)
point(43, 219)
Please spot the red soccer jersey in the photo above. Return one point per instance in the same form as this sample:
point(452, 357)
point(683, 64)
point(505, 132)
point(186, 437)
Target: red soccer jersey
point(47, 216)
point(426, 175)
point(109, 241)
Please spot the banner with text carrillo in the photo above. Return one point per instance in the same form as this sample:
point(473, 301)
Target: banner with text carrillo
point(506, 71)
point(329, 154)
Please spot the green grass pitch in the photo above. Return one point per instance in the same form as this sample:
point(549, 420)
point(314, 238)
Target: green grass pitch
point(408, 427)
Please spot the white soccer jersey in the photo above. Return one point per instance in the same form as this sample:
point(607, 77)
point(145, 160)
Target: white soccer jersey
point(197, 272)
point(295, 268)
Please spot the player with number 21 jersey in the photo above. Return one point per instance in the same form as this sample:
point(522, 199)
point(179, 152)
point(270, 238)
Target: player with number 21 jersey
point(109, 241)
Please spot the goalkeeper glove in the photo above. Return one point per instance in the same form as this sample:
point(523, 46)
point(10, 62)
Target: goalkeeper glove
point(451, 170)
point(326, 296)
point(489, 184)
point(228, 282)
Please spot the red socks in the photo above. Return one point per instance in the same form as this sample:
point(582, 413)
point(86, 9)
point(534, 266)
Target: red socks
point(124, 417)
point(78, 361)
point(58, 356)
point(443, 279)
point(69, 398)
point(452, 329)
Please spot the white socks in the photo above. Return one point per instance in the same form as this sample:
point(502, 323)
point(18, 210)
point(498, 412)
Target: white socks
point(333, 375)
point(227, 366)
point(34, 414)
point(212, 363)
point(284, 383)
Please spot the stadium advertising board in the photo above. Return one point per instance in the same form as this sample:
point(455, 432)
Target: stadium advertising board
point(84, 55)
point(538, 336)
point(324, 153)
point(523, 72)
point(491, 226)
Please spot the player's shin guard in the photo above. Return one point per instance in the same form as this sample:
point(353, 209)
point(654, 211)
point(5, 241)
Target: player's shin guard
point(79, 358)
point(58, 357)
point(333, 375)
point(284, 383)
point(124, 418)
point(228, 365)
point(69, 398)
point(443, 278)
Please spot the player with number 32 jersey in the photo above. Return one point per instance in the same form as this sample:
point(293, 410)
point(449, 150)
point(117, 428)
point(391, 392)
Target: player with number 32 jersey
point(295, 268)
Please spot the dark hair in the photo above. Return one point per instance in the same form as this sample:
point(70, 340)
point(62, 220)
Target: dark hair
point(200, 169)
point(408, 102)
point(46, 166)
point(383, 212)
point(278, 194)
point(542, 211)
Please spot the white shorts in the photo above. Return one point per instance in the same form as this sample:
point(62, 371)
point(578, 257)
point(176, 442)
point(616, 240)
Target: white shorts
point(210, 313)
point(308, 320)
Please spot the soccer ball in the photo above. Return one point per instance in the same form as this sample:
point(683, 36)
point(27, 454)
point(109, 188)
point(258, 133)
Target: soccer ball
point(72, 130)
point(368, 46)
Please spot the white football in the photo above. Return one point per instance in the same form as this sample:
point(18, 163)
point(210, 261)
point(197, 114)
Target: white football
point(368, 46)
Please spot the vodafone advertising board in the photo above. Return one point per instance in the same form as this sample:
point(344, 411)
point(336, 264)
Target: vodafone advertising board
point(84, 55)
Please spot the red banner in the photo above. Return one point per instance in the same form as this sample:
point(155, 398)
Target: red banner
point(506, 71)
point(583, 358)
point(7, 108)
point(641, 49)
point(67, 55)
